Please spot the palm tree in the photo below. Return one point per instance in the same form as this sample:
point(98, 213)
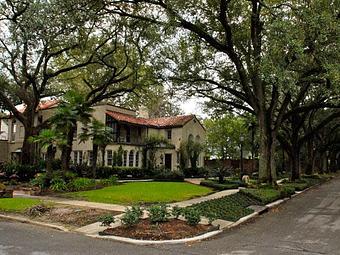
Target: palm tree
point(49, 139)
point(74, 108)
point(101, 136)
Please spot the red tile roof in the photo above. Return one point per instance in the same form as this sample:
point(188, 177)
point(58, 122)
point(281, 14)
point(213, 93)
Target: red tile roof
point(43, 105)
point(176, 121)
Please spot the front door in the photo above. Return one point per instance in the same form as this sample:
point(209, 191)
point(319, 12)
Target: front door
point(168, 161)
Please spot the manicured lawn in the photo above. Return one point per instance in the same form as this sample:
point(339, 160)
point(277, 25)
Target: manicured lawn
point(17, 204)
point(143, 192)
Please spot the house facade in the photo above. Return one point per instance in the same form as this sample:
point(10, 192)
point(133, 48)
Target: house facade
point(130, 131)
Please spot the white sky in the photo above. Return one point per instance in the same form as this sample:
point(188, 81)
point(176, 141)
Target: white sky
point(193, 106)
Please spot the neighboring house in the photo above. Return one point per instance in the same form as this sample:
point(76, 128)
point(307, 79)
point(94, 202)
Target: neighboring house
point(129, 129)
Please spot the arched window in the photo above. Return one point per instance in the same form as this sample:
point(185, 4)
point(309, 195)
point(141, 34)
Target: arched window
point(198, 139)
point(125, 158)
point(137, 159)
point(131, 157)
point(190, 138)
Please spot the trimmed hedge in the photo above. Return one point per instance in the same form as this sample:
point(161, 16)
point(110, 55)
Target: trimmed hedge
point(221, 186)
point(263, 195)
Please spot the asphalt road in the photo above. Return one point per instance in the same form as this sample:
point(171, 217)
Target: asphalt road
point(307, 224)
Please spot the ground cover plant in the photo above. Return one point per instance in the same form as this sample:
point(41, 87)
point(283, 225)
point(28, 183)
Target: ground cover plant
point(17, 204)
point(227, 184)
point(143, 192)
point(229, 208)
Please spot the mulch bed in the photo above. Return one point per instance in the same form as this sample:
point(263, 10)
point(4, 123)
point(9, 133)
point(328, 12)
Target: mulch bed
point(172, 229)
point(73, 216)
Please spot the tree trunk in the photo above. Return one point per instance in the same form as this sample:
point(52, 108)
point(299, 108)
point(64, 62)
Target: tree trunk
point(295, 170)
point(94, 160)
point(267, 166)
point(49, 163)
point(310, 162)
point(103, 155)
point(66, 150)
point(28, 149)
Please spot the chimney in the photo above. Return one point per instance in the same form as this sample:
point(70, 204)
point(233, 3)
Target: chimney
point(143, 112)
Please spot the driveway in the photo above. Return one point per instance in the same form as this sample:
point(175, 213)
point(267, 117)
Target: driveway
point(307, 224)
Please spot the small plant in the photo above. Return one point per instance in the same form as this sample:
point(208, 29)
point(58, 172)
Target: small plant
point(158, 213)
point(38, 210)
point(106, 220)
point(132, 216)
point(78, 184)
point(211, 217)
point(58, 185)
point(109, 182)
point(176, 211)
point(192, 216)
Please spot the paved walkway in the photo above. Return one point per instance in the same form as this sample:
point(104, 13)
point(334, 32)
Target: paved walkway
point(206, 198)
point(110, 207)
point(196, 181)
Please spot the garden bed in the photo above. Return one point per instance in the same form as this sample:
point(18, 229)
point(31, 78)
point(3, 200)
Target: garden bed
point(72, 216)
point(169, 230)
point(230, 208)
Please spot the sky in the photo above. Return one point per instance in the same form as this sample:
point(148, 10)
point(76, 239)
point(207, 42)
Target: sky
point(193, 106)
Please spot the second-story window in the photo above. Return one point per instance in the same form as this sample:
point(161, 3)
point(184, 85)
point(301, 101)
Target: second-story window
point(169, 134)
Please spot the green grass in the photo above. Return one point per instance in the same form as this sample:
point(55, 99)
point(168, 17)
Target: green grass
point(230, 208)
point(17, 204)
point(142, 192)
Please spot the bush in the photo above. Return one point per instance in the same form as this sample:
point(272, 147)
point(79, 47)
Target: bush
point(106, 220)
point(263, 195)
point(132, 216)
point(58, 184)
point(286, 191)
point(200, 172)
point(168, 175)
point(192, 216)
point(24, 172)
point(106, 172)
point(108, 182)
point(176, 211)
point(79, 184)
point(158, 213)
point(39, 181)
point(297, 186)
point(222, 186)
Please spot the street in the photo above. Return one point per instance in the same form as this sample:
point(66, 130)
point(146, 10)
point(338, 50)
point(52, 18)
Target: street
point(307, 224)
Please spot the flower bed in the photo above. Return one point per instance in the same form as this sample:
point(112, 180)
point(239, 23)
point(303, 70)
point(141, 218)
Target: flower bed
point(169, 230)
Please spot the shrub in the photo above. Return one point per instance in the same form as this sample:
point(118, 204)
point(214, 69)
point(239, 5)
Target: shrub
point(222, 186)
point(192, 216)
point(298, 186)
point(79, 184)
point(39, 181)
point(58, 184)
point(132, 216)
point(106, 220)
point(109, 182)
point(263, 195)
point(158, 213)
point(286, 191)
point(168, 175)
point(176, 211)
point(198, 172)
point(24, 172)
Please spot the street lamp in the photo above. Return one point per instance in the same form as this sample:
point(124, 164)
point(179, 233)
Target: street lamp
point(241, 155)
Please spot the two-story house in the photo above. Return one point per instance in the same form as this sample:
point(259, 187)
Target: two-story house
point(130, 130)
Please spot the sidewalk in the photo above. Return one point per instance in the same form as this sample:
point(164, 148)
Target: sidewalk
point(103, 206)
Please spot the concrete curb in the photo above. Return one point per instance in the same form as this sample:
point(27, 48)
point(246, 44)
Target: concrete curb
point(149, 242)
point(38, 223)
